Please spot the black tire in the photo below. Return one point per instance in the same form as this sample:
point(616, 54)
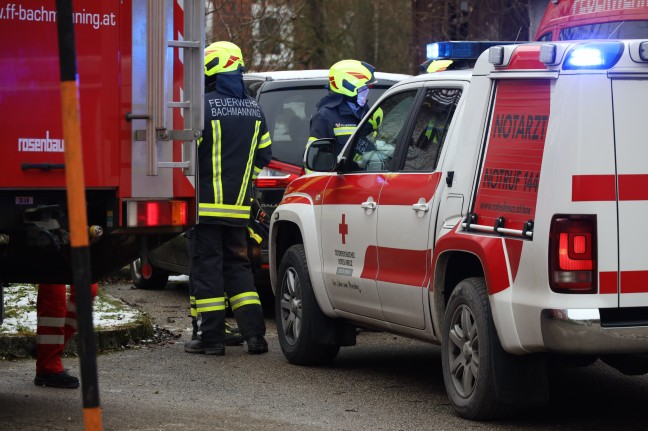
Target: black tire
point(469, 352)
point(297, 314)
point(157, 281)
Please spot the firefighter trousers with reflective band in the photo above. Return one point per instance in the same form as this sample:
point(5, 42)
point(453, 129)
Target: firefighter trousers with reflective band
point(56, 315)
point(220, 265)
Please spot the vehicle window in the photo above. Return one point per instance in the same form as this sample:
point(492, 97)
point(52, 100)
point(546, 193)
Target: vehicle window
point(545, 37)
point(607, 30)
point(430, 129)
point(288, 113)
point(373, 151)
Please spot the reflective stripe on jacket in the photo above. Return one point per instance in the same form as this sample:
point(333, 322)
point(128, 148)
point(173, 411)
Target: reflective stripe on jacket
point(234, 147)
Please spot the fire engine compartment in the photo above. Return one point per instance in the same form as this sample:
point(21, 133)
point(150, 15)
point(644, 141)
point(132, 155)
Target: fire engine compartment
point(133, 204)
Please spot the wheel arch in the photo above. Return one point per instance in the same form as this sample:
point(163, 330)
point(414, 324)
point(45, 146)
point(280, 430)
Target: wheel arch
point(295, 224)
point(451, 267)
point(287, 234)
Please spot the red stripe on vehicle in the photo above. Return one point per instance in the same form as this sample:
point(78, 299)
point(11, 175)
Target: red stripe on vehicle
point(296, 200)
point(310, 185)
point(353, 189)
point(602, 188)
point(633, 187)
point(370, 269)
point(608, 282)
point(407, 189)
point(634, 281)
point(597, 188)
point(393, 261)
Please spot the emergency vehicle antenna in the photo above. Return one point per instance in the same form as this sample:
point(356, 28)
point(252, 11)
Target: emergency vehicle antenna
point(79, 241)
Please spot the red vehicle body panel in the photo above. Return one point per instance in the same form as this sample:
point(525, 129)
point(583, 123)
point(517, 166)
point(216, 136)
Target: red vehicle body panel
point(563, 14)
point(111, 52)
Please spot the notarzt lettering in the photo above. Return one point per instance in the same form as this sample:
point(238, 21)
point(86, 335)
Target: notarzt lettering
point(520, 126)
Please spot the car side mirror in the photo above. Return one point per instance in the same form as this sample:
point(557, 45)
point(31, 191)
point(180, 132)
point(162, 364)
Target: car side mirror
point(320, 156)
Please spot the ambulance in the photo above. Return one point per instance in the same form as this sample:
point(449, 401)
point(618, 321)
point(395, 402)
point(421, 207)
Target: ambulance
point(495, 212)
point(140, 84)
point(593, 19)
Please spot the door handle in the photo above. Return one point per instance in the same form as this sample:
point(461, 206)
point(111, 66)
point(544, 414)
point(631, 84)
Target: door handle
point(421, 207)
point(369, 205)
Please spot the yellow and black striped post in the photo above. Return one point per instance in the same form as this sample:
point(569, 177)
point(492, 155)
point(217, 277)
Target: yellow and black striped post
point(77, 215)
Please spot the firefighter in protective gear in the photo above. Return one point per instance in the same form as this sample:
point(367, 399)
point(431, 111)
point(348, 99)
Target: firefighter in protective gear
point(233, 336)
point(56, 316)
point(234, 147)
point(339, 113)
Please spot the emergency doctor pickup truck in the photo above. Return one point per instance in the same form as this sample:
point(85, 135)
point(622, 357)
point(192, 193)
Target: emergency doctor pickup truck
point(495, 211)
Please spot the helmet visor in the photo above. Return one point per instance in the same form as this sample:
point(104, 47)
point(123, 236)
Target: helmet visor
point(372, 70)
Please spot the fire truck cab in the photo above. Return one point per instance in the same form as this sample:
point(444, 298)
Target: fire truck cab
point(493, 212)
point(140, 83)
point(593, 19)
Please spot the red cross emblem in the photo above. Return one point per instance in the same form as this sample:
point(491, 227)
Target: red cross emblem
point(344, 229)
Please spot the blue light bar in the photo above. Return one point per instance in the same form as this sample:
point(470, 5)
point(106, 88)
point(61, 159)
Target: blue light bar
point(459, 50)
point(594, 56)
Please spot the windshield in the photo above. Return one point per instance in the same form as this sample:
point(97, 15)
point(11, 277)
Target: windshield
point(607, 30)
point(288, 113)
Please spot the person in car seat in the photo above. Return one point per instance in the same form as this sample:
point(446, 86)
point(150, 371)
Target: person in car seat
point(339, 113)
point(234, 147)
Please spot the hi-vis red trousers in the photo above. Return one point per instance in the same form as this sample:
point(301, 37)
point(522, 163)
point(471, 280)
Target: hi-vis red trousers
point(56, 324)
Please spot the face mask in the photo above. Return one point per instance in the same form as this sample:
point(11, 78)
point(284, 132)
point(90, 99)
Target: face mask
point(363, 92)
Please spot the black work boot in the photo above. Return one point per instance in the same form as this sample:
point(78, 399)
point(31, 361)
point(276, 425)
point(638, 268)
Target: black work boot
point(57, 380)
point(197, 346)
point(194, 329)
point(256, 345)
point(232, 335)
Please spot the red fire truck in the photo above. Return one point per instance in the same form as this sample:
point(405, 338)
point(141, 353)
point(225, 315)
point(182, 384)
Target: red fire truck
point(140, 86)
point(593, 19)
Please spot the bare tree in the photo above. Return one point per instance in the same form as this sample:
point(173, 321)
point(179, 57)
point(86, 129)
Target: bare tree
point(390, 34)
point(439, 20)
point(263, 29)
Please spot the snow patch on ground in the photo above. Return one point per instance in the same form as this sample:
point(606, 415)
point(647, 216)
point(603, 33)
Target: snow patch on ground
point(20, 311)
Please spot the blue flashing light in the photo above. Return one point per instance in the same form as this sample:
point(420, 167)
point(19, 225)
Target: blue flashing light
point(594, 56)
point(459, 50)
point(432, 51)
point(585, 57)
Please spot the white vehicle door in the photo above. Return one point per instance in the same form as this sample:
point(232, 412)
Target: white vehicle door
point(407, 211)
point(629, 97)
point(349, 204)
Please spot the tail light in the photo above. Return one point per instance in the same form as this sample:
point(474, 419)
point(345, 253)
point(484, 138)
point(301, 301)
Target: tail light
point(278, 175)
point(572, 254)
point(156, 213)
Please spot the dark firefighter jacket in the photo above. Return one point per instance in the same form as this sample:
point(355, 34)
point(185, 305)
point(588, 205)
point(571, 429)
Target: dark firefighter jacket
point(234, 146)
point(335, 119)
